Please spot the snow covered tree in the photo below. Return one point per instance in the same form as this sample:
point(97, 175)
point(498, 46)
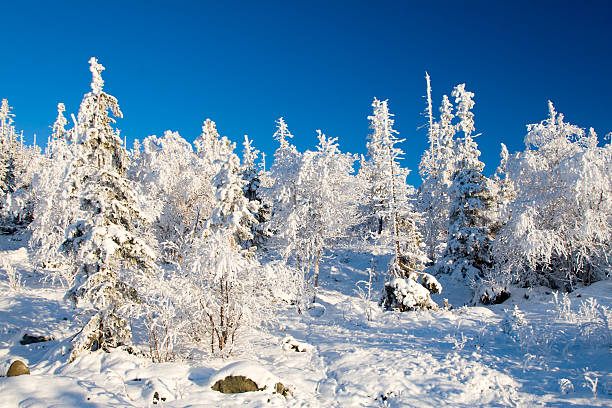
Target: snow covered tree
point(389, 194)
point(176, 187)
point(7, 142)
point(53, 202)
point(59, 126)
point(437, 168)
point(229, 298)
point(412, 293)
point(313, 200)
point(249, 169)
point(102, 242)
point(282, 195)
point(472, 224)
point(325, 199)
point(233, 210)
point(212, 147)
point(558, 231)
point(18, 165)
point(252, 174)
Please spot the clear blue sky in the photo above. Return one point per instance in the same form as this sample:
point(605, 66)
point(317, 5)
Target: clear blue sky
point(172, 64)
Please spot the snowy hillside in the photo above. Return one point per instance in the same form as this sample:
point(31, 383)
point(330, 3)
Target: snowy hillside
point(545, 353)
point(181, 274)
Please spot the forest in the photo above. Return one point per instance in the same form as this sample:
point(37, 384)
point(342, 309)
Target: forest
point(168, 246)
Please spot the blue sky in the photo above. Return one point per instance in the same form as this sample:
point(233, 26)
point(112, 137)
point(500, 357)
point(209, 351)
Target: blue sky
point(318, 64)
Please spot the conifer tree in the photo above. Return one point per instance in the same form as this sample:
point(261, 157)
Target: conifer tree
point(18, 166)
point(253, 174)
point(233, 210)
point(436, 169)
point(389, 192)
point(53, 201)
point(102, 242)
point(471, 227)
point(7, 147)
point(282, 195)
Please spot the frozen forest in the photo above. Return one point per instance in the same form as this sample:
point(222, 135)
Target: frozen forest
point(180, 274)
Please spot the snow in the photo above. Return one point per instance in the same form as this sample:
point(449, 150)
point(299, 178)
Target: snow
point(443, 358)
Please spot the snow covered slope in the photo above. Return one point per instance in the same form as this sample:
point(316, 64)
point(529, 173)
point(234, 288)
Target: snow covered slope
point(541, 353)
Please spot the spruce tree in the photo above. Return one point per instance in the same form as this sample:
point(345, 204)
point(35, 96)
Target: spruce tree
point(471, 225)
point(107, 255)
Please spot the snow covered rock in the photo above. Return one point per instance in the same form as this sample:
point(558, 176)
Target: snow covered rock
point(405, 295)
point(291, 344)
point(233, 384)
point(31, 339)
point(246, 376)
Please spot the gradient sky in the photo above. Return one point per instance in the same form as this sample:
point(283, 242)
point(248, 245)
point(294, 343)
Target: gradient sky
point(318, 64)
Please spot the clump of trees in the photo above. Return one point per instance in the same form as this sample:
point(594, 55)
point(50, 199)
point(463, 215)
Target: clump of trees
point(200, 245)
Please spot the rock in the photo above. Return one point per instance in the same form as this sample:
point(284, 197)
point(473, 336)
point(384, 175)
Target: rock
point(18, 368)
point(279, 388)
point(29, 339)
point(233, 384)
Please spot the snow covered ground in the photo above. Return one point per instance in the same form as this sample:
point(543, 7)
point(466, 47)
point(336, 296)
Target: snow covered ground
point(544, 353)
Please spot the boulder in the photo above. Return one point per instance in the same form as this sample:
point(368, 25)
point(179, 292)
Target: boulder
point(247, 376)
point(29, 339)
point(233, 384)
point(18, 368)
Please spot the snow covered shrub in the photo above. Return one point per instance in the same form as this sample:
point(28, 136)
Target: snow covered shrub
point(565, 386)
point(590, 383)
point(491, 289)
point(365, 294)
point(226, 288)
point(408, 294)
point(514, 322)
point(564, 307)
point(285, 283)
point(162, 313)
point(12, 275)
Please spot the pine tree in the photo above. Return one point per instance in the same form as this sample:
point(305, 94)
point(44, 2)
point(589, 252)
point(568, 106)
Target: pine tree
point(18, 166)
point(212, 147)
point(471, 227)
point(249, 169)
point(102, 242)
point(7, 148)
point(252, 174)
point(282, 195)
point(53, 202)
point(437, 168)
point(233, 211)
point(389, 192)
